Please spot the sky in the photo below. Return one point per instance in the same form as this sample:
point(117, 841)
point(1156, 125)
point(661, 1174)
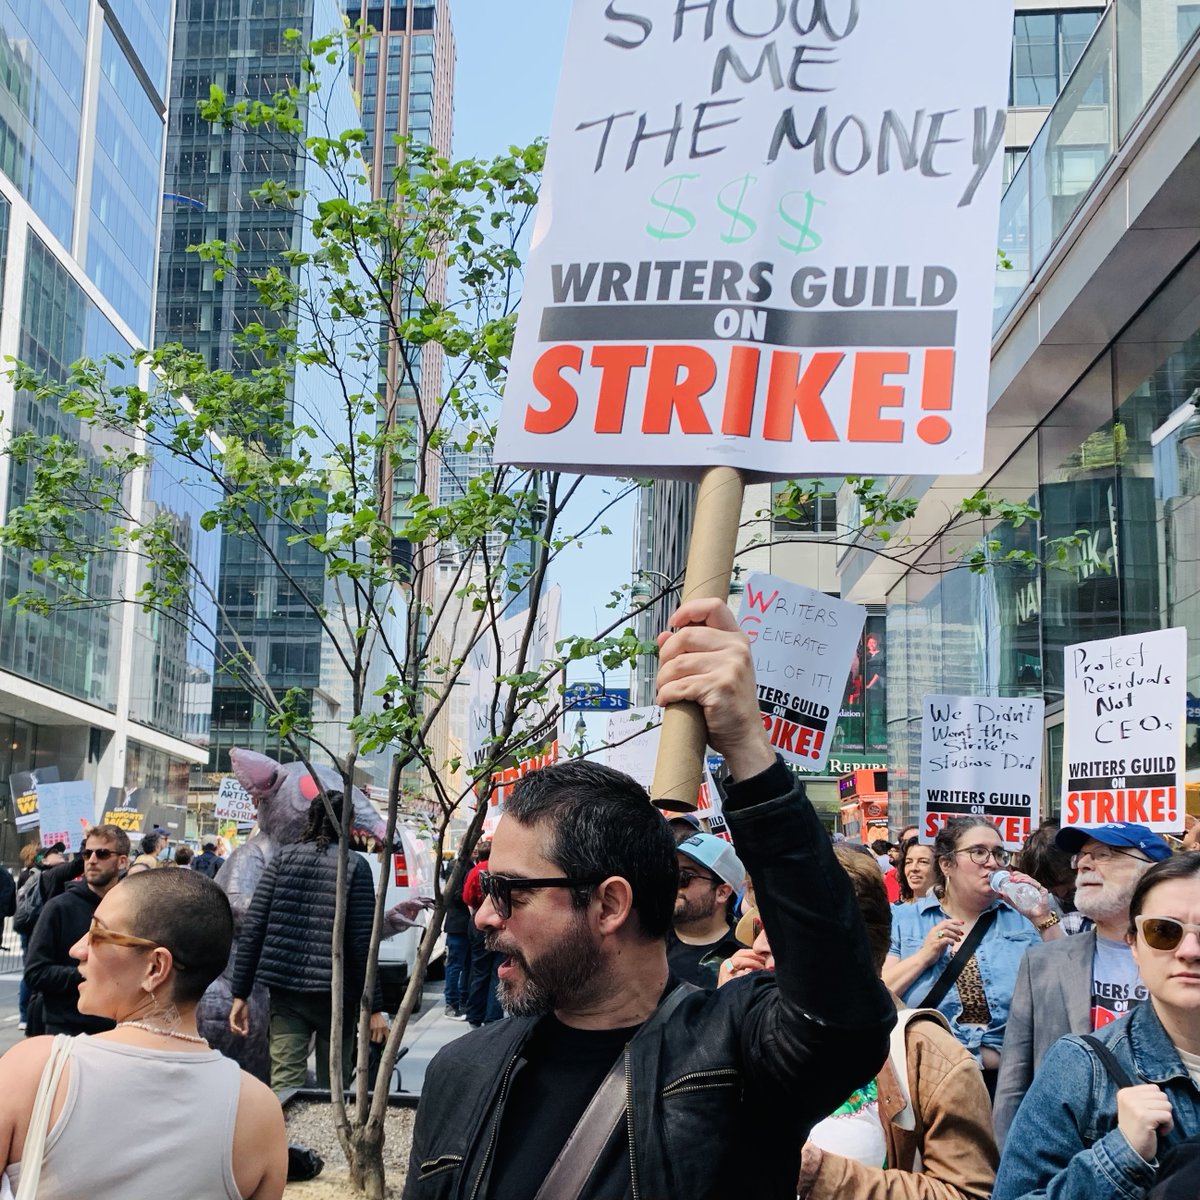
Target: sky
point(505, 81)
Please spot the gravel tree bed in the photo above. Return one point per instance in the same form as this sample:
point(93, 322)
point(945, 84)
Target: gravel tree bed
point(311, 1124)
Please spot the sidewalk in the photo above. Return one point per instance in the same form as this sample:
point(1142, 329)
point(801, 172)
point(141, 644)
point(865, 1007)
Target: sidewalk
point(426, 1034)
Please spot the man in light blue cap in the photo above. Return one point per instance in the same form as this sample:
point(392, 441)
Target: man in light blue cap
point(1078, 984)
point(710, 872)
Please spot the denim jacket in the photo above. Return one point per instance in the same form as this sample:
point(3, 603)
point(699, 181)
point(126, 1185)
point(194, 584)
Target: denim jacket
point(1064, 1143)
point(999, 955)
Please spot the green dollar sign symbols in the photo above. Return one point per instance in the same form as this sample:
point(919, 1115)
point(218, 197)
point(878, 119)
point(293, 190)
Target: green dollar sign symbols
point(808, 239)
point(732, 238)
point(672, 209)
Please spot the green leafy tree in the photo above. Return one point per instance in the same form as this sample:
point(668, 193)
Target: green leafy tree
point(412, 575)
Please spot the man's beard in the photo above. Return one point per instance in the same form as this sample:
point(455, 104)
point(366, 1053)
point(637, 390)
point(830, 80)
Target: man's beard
point(688, 911)
point(558, 979)
point(1105, 902)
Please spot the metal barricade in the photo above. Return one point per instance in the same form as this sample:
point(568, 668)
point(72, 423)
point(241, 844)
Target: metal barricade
point(12, 962)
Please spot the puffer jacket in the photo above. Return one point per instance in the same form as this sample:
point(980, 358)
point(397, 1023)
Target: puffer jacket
point(287, 939)
point(724, 1092)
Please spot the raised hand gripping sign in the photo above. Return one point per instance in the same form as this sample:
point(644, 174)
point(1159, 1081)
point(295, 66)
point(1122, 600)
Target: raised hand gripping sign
point(766, 240)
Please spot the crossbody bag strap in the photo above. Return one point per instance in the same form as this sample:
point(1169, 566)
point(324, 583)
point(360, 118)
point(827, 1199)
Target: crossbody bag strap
point(581, 1152)
point(1112, 1064)
point(963, 955)
point(34, 1149)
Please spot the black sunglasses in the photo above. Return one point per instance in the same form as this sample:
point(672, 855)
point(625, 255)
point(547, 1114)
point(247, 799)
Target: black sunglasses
point(687, 878)
point(100, 854)
point(499, 888)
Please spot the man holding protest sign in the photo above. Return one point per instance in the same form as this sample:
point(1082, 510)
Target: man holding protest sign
point(580, 891)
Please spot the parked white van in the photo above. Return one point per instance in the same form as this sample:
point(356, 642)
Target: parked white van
point(410, 870)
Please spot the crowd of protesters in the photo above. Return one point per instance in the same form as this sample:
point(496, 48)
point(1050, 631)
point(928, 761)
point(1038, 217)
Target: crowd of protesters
point(655, 1010)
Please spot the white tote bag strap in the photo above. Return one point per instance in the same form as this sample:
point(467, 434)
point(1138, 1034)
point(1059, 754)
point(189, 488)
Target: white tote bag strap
point(39, 1120)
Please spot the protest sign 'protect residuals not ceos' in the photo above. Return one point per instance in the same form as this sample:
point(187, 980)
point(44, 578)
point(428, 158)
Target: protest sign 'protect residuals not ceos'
point(766, 239)
point(1123, 748)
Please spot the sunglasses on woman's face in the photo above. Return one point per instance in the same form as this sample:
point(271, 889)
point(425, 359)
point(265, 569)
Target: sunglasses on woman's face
point(1164, 933)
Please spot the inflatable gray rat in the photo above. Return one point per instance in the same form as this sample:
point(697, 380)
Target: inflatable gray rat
point(281, 794)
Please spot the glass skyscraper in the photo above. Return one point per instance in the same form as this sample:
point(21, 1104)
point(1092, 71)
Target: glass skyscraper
point(267, 595)
point(99, 690)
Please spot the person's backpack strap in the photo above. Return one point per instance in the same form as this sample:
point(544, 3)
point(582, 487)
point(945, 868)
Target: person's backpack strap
point(579, 1156)
point(1116, 1072)
point(954, 968)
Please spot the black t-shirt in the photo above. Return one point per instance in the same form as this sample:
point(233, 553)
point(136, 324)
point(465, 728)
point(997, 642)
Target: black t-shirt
point(561, 1071)
point(700, 965)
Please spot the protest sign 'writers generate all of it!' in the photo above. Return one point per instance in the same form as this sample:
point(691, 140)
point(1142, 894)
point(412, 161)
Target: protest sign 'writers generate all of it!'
point(1123, 749)
point(765, 240)
point(803, 642)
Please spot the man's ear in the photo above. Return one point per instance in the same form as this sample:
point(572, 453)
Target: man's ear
point(616, 903)
point(723, 892)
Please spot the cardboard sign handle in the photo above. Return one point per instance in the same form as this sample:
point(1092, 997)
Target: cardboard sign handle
point(679, 768)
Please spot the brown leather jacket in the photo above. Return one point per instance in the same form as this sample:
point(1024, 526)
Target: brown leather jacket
point(952, 1129)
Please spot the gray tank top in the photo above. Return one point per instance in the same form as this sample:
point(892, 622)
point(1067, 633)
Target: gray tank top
point(140, 1122)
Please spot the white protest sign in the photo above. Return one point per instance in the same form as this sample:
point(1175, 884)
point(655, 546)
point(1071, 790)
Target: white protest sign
point(233, 803)
point(1123, 746)
point(766, 239)
point(632, 747)
point(803, 642)
point(65, 811)
point(981, 756)
point(632, 744)
point(487, 698)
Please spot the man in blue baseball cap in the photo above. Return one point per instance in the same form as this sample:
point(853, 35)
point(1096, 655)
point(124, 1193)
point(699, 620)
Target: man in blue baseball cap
point(710, 872)
point(1080, 983)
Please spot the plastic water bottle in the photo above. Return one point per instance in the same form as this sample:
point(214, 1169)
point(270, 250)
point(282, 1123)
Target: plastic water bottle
point(1021, 896)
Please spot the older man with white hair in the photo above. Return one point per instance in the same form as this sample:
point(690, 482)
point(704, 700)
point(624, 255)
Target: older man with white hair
point(1081, 983)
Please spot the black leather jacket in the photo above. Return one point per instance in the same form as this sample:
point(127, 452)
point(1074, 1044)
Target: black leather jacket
point(724, 1094)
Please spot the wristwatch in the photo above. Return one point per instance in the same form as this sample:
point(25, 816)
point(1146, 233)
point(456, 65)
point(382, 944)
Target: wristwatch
point(1049, 923)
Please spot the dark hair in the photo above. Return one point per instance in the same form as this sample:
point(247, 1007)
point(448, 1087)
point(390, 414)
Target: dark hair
point(149, 843)
point(113, 834)
point(186, 913)
point(906, 892)
point(320, 828)
point(183, 855)
point(1043, 860)
point(947, 841)
point(1178, 866)
point(881, 846)
point(868, 887)
point(602, 823)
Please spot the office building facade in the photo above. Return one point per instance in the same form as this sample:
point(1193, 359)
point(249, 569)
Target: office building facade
point(404, 79)
point(99, 690)
point(1094, 379)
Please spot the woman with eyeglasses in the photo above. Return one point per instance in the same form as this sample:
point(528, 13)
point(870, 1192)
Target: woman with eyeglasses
point(963, 911)
point(1093, 1126)
point(204, 1127)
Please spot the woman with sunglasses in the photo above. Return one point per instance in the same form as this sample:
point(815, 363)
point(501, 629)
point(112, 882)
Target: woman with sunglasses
point(926, 936)
point(156, 941)
point(1079, 1134)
